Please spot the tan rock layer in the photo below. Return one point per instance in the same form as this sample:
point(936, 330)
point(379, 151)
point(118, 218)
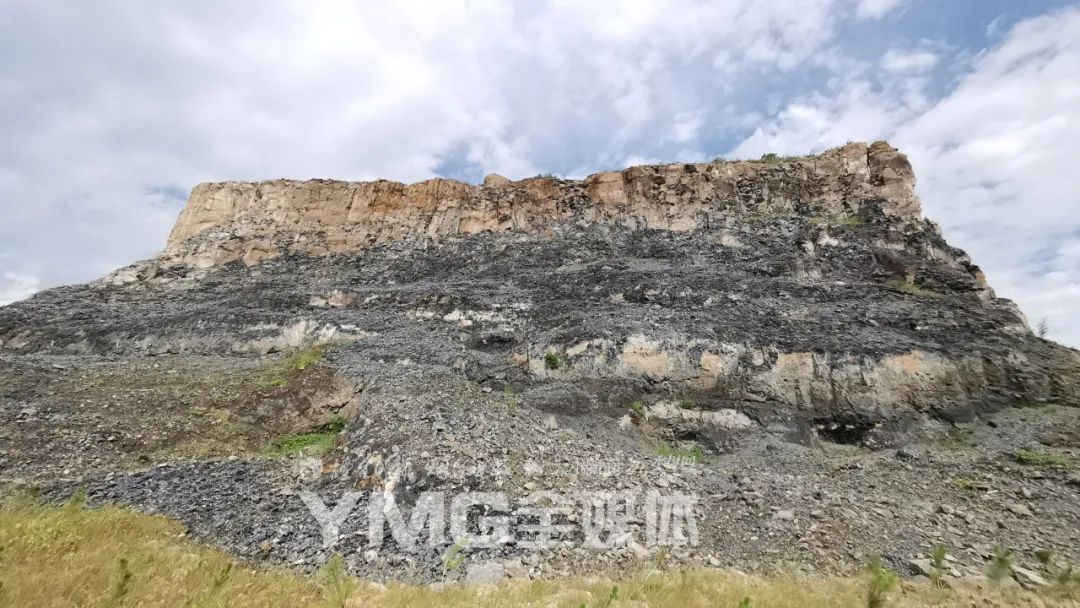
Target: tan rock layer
point(250, 221)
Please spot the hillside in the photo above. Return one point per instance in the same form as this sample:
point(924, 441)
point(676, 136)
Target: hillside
point(787, 344)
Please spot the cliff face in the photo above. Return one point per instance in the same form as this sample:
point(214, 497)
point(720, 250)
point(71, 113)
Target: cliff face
point(551, 334)
point(808, 283)
point(252, 221)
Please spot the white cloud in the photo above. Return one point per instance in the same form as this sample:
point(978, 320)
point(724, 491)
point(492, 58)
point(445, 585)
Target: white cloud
point(116, 105)
point(15, 287)
point(905, 61)
point(994, 158)
point(856, 111)
point(876, 9)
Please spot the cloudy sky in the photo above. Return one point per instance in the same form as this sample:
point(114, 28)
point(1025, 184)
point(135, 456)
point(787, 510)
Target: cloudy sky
point(111, 110)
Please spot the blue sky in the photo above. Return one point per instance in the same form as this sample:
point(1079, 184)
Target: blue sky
point(114, 109)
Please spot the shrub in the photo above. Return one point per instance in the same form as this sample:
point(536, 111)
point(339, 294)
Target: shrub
point(937, 562)
point(454, 557)
point(337, 585)
point(551, 360)
point(1000, 566)
point(879, 582)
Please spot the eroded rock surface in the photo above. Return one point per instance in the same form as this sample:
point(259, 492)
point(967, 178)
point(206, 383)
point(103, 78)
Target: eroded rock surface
point(776, 319)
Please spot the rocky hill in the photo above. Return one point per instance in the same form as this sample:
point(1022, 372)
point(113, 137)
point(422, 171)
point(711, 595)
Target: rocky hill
point(787, 340)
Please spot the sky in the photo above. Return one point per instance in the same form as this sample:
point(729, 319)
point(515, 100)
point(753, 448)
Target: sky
point(112, 110)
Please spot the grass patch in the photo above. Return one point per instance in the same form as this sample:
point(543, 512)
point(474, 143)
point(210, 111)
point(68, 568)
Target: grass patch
point(1036, 458)
point(314, 444)
point(957, 439)
point(911, 288)
point(968, 484)
point(694, 454)
point(278, 374)
point(772, 158)
point(71, 556)
point(223, 437)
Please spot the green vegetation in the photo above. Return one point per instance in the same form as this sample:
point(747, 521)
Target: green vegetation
point(336, 584)
point(72, 556)
point(315, 444)
point(1037, 458)
point(552, 360)
point(686, 404)
point(454, 557)
point(937, 563)
point(880, 581)
point(773, 158)
point(1001, 565)
point(838, 221)
point(637, 409)
point(694, 454)
point(222, 437)
point(1064, 576)
point(512, 401)
point(912, 289)
point(292, 364)
point(965, 483)
point(957, 438)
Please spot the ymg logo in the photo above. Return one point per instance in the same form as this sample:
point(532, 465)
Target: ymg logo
point(544, 520)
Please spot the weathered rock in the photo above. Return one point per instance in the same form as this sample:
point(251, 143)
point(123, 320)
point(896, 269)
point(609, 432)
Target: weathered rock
point(246, 221)
point(486, 572)
point(710, 329)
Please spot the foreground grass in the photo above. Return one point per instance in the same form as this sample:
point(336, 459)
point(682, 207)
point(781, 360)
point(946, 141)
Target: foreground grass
point(71, 556)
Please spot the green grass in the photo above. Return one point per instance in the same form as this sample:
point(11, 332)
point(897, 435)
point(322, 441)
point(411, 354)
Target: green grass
point(694, 454)
point(72, 556)
point(965, 483)
point(1037, 458)
point(911, 288)
point(278, 374)
point(957, 439)
point(314, 444)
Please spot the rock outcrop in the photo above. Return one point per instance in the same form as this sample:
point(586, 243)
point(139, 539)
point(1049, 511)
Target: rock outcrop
point(747, 321)
point(810, 283)
point(252, 221)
